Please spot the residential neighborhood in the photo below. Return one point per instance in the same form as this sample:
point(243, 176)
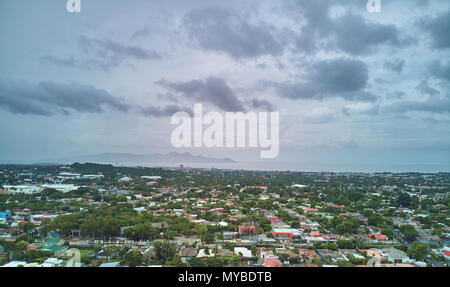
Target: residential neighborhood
point(97, 215)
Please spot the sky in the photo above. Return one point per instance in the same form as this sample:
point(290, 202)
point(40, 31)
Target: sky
point(352, 88)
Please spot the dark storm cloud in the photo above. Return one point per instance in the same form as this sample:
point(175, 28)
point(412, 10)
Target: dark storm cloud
point(222, 30)
point(349, 33)
point(47, 98)
point(395, 65)
point(438, 28)
point(165, 111)
point(212, 90)
point(344, 78)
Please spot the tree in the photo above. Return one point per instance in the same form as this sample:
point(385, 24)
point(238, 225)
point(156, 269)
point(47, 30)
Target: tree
point(133, 258)
point(331, 246)
point(418, 251)
point(27, 227)
point(195, 262)
point(345, 244)
point(164, 251)
point(409, 232)
point(214, 262)
point(387, 232)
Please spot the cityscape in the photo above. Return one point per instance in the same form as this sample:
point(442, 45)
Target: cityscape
point(222, 138)
point(112, 216)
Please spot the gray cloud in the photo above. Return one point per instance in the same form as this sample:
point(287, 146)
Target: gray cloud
point(425, 88)
point(212, 90)
point(319, 116)
point(433, 104)
point(440, 71)
point(66, 62)
point(107, 54)
point(395, 65)
point(350, 33)
point(101, 53)
point(365, 109)
point(47, 98)
point(438, 28)
point(262, 104)
point(344, 78)
point(222, 30)
point(355, 35)
point(165, 111)
point(144, 31)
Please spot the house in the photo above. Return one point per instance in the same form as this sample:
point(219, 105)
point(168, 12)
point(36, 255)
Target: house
point(308, 254)
point(125, 179)
point(376, 237)
point(246, 253)
point(52, 262)
point(55, 249)
point(443, 252)
point(229, 235)
point(272, 263)
point(6, 214)
point(396, 256)
point(54, 241)
point(333, 255)
point(224, 252)
point(187, 253)
point(15, 264)
point(203, 253)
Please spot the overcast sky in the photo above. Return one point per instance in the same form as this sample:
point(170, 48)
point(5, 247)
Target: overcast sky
point(350, 86)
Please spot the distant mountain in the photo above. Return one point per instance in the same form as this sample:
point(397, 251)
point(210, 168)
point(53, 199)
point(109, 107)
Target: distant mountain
point(127, 158)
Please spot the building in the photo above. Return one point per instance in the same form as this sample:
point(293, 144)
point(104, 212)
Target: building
point(152, 177)
point(187, 253)
point(376, 237)
point(55, 249)
point(396, 256)
point(5, 214)
point(15, 264)
point(443, 252)
point(272, 263)
point(27, 189)
point(246, 253)
point(229, 235)
point(286, 234)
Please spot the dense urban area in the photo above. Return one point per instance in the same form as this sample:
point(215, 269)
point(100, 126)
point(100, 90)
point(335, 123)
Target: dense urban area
point(91, 215)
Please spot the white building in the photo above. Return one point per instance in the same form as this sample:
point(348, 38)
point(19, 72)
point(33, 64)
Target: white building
point(244, 251)
point(152, 177)
point(28, 189)
point(61, 187)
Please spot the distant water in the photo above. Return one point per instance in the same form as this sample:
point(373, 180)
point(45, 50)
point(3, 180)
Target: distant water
point(314, 167)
